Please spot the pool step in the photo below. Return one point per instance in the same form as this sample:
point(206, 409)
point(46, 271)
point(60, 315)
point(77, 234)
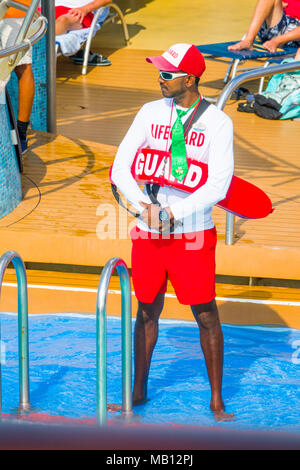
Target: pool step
point(53, 292)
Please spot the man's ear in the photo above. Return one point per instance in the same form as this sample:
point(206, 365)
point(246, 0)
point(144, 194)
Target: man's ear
point(190, 80)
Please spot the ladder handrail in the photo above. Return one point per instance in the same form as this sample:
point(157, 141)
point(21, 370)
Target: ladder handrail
point(21, 44)
point(31, 11)
point(11, 50)
point(101, 394)
point(5, 260)
point(222, 100)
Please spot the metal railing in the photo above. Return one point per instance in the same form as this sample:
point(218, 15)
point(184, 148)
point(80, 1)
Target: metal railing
point(5, 260)
point(32, 21)
point(101, 394)
point(222, 100)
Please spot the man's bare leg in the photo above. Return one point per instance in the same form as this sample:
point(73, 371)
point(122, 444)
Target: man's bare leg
point(266, 10)
point(26, 91)
point(145, 338)
point(66, 23)
point(26, 97)
point(211, 339)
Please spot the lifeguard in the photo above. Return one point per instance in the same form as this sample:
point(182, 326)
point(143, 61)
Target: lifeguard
point(187, 255)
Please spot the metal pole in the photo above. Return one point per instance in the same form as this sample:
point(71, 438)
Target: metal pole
point(24, 404)
point(230, 227)
point(225, 95)
point(0, 373)
point(12, 256)
point(126, 341)
point(48, 10)
point(101, 393)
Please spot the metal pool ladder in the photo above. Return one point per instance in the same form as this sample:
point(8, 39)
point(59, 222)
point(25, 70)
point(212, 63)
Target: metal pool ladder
point(101, 393)
point(6, 258)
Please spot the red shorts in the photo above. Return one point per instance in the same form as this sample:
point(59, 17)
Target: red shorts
point(87, 21)
point(188, 260)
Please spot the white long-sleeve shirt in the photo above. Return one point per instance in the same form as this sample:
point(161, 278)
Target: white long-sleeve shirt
point(210, 140)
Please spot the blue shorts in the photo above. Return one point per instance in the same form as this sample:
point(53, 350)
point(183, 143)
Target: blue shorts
point(286, 24)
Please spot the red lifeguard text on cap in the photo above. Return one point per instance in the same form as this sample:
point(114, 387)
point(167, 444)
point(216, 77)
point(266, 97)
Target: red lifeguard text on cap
point(184, 57)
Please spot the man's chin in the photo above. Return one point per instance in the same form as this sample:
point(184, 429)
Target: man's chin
point(166, 93)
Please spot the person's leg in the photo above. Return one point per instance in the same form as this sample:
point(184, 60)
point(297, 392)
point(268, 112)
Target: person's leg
point(26, 96)
point(26, 91)
point(266, 10)
point(66, 23)
point(211, 340)
point(145, 338)
point(297, 56)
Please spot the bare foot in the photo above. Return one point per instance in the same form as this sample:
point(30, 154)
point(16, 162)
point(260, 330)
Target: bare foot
point(222, 416)
point(218, 409)
point(139, 401)
point(113, 407)
point(240, 46)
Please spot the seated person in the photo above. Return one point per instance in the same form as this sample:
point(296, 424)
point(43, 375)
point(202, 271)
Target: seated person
point(71, 15)
point(276, 22)
point(9, 28)
point(75, 14)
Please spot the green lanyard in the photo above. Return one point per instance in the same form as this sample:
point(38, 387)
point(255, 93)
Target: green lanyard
point(179, 163)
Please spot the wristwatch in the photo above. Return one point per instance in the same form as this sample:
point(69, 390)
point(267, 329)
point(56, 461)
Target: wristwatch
point(163, 215)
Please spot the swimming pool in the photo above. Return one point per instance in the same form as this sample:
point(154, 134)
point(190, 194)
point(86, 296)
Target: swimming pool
point(260, 385)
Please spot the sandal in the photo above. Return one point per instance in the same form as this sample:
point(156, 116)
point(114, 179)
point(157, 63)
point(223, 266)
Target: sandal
point(94, 59)
point(245, 107)
point(240, 93)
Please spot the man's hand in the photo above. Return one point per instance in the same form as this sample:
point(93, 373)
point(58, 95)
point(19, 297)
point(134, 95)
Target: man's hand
point(79, 13)
point(151, 217)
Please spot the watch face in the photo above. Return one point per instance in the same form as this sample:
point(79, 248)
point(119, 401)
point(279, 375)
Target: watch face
point(163, 215)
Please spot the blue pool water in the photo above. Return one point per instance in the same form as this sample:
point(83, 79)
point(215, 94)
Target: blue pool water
point(261, 372)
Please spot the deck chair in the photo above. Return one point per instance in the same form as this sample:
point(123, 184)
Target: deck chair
point(69, 44)
point(258, 53)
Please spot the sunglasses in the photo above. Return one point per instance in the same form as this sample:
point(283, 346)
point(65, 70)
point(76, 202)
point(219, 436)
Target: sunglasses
point(170, 75)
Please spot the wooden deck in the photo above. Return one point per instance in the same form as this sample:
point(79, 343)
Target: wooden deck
point(66, 182)
point(58, 227)
point(73, 292)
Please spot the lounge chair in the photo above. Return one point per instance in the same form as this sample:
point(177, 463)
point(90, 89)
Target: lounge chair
point(236, 58)
point(69, 44)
